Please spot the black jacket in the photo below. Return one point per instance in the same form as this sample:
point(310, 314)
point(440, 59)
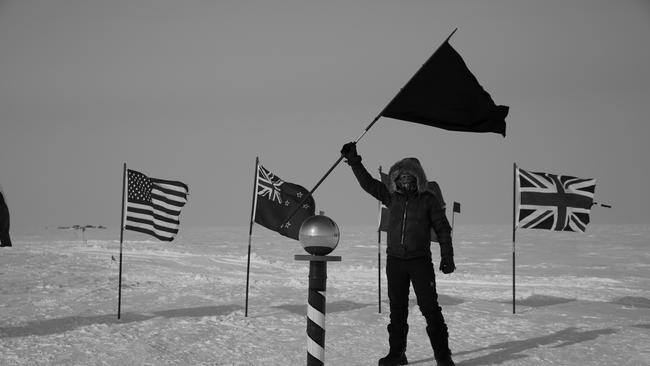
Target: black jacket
point(412, 216)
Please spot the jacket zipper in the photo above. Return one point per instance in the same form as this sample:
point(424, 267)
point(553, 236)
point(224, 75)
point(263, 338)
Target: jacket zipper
point(404, 220)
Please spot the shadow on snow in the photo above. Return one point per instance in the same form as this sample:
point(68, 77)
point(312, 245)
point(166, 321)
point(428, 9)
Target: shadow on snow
point(508, 351)
point(633, 301)
point(346, 305)
point(333, 307)
point(538, 301)
point(60, 325)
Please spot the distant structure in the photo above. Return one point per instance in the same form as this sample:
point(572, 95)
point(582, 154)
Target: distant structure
point(5, 239)
point(82, 228)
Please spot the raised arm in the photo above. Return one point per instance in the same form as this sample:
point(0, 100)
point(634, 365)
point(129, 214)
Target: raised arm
point(369, 184)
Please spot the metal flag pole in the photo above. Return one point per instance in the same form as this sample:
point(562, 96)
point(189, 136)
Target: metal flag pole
point(601, 204)
point(336, 163)
point(250, 232)
point(514, 227)
point(455, 208)
point(119, 291)
point(453, 213)
point(379, 253)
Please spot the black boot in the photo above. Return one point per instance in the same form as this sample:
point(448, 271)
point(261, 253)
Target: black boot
point(393, 360)
point(439, 338)
point(447, 361)
point(5, 240)
point(397, 341)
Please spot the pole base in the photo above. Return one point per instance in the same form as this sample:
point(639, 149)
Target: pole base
point(317, 258)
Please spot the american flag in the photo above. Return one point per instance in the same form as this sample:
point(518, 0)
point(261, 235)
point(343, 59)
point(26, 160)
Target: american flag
point(154, 205)
point(553, 202)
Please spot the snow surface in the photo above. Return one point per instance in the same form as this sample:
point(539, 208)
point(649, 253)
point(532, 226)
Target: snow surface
point(582, 299)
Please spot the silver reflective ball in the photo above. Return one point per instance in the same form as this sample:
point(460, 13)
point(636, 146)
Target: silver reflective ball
point(319, 235)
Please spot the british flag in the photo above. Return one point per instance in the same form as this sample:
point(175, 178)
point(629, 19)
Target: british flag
point(268, 185)
point(553, 202)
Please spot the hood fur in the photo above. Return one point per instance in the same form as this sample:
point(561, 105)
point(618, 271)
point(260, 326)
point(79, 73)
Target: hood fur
point(411, 166)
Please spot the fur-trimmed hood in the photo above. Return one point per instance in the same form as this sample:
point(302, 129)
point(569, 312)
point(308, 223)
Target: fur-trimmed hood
point(411, 166)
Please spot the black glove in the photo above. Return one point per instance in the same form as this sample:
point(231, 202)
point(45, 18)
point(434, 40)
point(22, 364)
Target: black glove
point(447, 264)
point(349, 152)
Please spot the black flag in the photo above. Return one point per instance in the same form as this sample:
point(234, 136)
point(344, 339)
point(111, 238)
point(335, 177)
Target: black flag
point(445, 94)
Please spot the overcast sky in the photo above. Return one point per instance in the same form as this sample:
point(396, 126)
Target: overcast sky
point(195, 90)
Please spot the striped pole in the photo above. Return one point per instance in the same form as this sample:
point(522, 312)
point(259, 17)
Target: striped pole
point(316, 307)
point(316, 313)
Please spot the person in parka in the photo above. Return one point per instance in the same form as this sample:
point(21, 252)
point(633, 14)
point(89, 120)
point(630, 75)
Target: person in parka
point(413, 212)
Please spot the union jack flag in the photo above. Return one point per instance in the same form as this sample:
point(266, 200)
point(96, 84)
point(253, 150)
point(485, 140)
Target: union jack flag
point(553, 202)
point(275, 200)
point(268, 185)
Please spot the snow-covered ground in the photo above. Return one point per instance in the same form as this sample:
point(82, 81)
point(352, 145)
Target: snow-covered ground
point(582, 299)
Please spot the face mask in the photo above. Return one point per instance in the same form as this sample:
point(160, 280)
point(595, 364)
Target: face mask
point(406, 183)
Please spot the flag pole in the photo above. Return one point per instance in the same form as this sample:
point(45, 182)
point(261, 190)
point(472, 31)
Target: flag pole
point(379, 252)
point(336, 163)
point(601, 204)
point(514, 227)
point(453, 213)
point(250, 232)
point(119, 291)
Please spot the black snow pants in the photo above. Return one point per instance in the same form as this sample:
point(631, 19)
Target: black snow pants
point(418, 271)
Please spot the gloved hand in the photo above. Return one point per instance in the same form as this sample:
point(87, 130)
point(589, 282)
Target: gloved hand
point(349, 152)
point(447, 264)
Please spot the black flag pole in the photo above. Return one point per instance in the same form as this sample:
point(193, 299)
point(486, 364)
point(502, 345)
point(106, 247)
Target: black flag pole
point(601, 204)
point(379, 254)
point(336, 163)
point(514, 228)
point(119, 291)
point(250, 232)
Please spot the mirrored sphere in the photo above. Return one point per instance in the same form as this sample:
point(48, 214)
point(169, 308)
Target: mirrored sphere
point(319, 235)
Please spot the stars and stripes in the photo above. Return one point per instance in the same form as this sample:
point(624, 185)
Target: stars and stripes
point(553, 202)
point(154, 205)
